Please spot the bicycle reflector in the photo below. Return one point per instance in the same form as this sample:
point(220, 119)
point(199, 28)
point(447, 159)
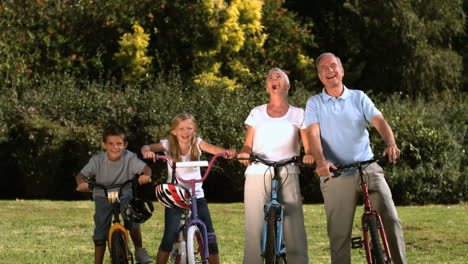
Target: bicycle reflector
point(172, 195)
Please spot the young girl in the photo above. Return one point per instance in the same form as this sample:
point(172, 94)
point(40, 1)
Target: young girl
point(184, 145)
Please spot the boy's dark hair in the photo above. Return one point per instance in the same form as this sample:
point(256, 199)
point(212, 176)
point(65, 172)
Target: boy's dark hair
point(114, 130)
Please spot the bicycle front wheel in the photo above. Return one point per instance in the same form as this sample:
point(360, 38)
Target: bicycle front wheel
point(118, 250)
point(270, 248)
point(376, 248)
point(195, 246)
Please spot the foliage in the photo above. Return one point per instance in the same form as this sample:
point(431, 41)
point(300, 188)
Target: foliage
point(228, 41)
point(392, 46)
point(50, 132)
point(132, 55)
point(432, 137)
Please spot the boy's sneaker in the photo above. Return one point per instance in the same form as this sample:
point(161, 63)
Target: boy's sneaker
point(141, 256)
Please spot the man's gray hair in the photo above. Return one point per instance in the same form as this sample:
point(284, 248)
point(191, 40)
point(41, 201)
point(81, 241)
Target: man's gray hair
point(325, 54)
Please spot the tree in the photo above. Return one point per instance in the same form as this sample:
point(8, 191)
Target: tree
point(393, 46)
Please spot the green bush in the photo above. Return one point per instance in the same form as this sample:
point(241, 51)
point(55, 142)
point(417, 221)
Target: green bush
point(432, 137)
point(50, 131)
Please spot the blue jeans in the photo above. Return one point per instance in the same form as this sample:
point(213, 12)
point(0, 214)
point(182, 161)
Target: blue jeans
point(172, 219)
point(103, 217)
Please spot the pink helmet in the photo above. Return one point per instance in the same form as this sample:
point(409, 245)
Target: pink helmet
point(172, 195)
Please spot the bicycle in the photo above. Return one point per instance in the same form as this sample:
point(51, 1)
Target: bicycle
point(118, 238)
point(191, 245)
point(376, 247)
point(273, 249)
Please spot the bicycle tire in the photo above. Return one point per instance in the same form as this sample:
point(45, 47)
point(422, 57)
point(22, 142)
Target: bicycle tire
point(195, 246)
point(118, 250)
point(376, 247)
point(178, 253)
point(270, 248)
point(281, 259)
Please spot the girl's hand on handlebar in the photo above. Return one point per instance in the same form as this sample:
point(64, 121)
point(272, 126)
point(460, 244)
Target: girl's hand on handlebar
point(323, 169)
point(244, 156)
point(231, 153)
point(144, 179)
point(83, 187)
point(308, 159)
point(149, 155)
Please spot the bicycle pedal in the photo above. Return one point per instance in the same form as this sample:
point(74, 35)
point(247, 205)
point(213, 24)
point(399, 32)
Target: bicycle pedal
point(357, 242)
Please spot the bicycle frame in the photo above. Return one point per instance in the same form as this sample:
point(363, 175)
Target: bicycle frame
point(369, 211)
point(191, 216)
point(114, 200)
point(280, 249)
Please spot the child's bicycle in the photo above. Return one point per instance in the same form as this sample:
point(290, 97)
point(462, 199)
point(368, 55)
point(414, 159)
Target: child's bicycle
point(118, 238)
point(376, 246)
point(272, 246)
point(191, 245)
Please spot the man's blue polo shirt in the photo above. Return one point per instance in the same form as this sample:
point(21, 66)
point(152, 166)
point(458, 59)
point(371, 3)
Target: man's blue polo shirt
point(342, 122)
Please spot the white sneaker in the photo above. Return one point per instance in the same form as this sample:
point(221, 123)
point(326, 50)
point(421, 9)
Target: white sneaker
point(141, 256)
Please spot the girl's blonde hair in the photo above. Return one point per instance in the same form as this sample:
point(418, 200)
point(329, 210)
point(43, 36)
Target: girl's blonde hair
point(174, 149)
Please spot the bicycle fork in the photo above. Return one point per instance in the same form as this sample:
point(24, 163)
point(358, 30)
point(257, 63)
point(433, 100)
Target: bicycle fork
point(279, 215)
point(370, 212)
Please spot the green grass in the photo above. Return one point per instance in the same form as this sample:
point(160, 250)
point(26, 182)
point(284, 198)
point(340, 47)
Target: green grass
point(60, 232)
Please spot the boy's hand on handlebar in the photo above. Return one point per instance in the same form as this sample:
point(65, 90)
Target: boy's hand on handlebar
point(144, 179)
point(308, 159)
point(323, 169)
point(231, 153)
point(83, 187)
point(244, 156)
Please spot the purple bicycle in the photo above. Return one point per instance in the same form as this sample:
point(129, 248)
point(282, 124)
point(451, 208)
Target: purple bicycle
point(191, 245)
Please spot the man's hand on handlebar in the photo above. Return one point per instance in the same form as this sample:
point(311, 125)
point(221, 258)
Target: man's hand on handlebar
point(392, 152)
point(323, 168)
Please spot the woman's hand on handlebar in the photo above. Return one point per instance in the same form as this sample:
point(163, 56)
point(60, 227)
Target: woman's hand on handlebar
point(244, 158)
point(231, 153)
point(308, 159)
point(323, 168)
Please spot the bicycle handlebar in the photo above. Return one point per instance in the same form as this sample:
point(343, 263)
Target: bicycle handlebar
point(358, 164)
point(296, 160)
point(186, 164)
point(105, 187)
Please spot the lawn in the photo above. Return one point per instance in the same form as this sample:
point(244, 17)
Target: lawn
point(35, 231)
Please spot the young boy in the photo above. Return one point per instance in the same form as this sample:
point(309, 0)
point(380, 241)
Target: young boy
point(115, 165)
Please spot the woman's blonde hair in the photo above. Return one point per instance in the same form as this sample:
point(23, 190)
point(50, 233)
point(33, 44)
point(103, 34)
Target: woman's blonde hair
point(174, 149)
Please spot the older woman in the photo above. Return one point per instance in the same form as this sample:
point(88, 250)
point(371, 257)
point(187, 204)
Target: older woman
point(273, 132)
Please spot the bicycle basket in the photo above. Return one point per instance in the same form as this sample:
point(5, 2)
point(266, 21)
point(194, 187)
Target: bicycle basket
point(172, 195)
point(138, 210)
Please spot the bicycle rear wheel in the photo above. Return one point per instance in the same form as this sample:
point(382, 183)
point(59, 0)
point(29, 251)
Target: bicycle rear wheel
point(179, 251)
point(378, 256)
point(195, 246)
point(118, 250)
point(270, 248)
